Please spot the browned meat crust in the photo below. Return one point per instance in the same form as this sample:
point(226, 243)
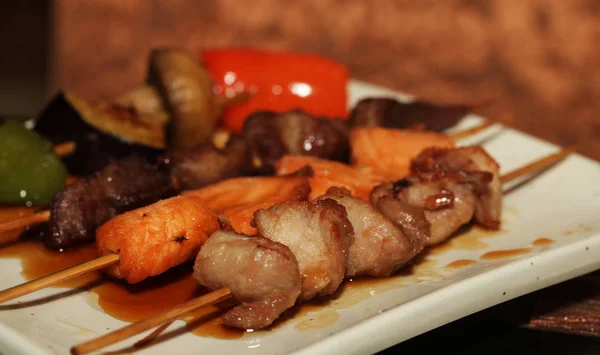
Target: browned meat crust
point(270, 136)
point(390, 113)
point(262, 275)
point(82, 206)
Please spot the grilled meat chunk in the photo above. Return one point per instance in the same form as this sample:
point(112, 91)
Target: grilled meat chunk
point(446, 204)
point(391, 113)
point(82, 206)
point(469, 166)
point(262, 275)
point(270, 136)
point(380, 246)
point(206, 164)
point(318, 235)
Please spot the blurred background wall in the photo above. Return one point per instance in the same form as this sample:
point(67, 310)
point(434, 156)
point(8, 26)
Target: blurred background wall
point(533, 64)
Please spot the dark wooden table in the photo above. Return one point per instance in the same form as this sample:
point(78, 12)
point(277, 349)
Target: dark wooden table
point(559, 320)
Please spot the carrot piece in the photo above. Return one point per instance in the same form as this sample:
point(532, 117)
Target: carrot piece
point(389, 152)
point(327, 173)
point(239, 198)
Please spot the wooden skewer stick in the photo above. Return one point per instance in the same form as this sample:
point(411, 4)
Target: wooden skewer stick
point(471, 131)
point(23, 222)
point(214, 297)
point(536, 166)
point(58, 277)
point(165, 319)
point(64, 149)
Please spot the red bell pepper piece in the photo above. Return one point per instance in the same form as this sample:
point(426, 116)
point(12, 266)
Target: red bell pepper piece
point(280, 81)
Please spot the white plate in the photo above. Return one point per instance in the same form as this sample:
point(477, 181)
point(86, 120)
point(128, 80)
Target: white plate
point(562, 204)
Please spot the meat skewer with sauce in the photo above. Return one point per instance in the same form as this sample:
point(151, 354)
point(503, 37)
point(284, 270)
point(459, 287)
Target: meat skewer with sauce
point(453, 186)
point(225, 293)
point(148, 241)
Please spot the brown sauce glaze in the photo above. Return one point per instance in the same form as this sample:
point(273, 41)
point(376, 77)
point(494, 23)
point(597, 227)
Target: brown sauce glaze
point(507, 253)
point(469, 237)
point(459, 264)
point(543, 241)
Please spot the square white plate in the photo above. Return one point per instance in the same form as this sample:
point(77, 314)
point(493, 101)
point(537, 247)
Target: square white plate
point(562, 204)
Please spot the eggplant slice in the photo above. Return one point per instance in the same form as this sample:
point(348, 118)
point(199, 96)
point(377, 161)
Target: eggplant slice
point(101, 131)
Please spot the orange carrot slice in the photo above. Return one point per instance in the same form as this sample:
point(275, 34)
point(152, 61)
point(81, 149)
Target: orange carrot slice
point(327, 173)
point(389, 151)
point(239, 198)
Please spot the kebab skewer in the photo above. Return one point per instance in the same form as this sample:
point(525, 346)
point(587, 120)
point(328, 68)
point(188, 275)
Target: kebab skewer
point(405, 227)
point(168, 236)
point(191, 169)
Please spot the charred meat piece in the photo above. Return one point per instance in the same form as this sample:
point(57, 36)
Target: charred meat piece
point(318, 235)
point(447, 205)
point(82, 206)
point(152, 239)
point(207, 164)
point(411, 219)
point(262, 275)
point(270, 136)
point(380, 246)
point(472, 167)
point(391, 113)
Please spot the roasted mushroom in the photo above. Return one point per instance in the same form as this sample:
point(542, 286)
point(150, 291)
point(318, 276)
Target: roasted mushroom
point(175, 110)
point(187, 92)
point(391, 113)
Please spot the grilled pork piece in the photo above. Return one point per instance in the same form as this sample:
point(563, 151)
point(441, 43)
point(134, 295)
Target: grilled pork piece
point(262, 275)
point(447, 205)
point(452, 186)
point(152, 239)
point(207, 164)
point(82, 206)
point(380, 246)
point(318, 235)
point(270, 136)
point(472, 167)
point(390, 113)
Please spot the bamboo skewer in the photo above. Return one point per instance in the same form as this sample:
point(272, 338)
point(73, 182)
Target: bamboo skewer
point(64, 149)
point(537, 165)
point(165, 319)
point(23, 222)
point(214, 297)
point(471, 131)
point(58, 277)
point(106, 260)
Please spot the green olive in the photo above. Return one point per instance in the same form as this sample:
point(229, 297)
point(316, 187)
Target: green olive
point(30, 172)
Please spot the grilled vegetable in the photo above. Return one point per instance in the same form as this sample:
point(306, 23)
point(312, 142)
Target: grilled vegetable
point(280, 81)
point(187, 92)
point(30, 171)
point(101, 131)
